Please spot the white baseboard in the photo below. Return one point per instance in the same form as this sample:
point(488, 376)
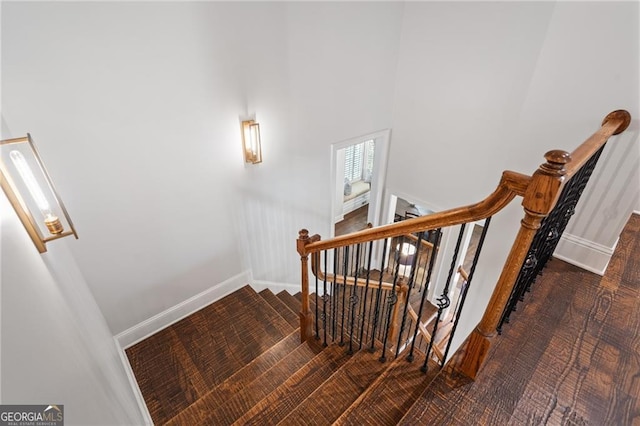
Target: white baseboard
point(584, 254)
point(259, 285)
point(174, 314)
point(148, 421)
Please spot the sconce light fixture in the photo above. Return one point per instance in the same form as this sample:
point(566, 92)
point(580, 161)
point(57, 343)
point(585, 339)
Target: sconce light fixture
point(251, 142)
point(30, 191)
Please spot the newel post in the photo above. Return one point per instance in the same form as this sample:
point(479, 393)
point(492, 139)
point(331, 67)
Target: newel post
point(305, 312)
point(540, 197)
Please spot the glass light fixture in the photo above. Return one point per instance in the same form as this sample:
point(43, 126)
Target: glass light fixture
point(405, 259)
point(251, 142)
point(30, 191)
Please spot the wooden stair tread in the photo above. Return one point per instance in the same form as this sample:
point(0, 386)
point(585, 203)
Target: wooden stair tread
point(279, 403)
point(242, 378)
point(178, 365)
point(211, 411)
point(280, 307)
point(390, 396)
point(294, 304)
point(339, 391)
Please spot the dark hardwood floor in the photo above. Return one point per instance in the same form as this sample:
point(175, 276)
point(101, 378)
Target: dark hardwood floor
point(571, 355)
point(353, 221)
point(182, 363)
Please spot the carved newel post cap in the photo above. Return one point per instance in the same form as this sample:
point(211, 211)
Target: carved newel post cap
point(558, 156)
point(303, 234)
point(556, 159)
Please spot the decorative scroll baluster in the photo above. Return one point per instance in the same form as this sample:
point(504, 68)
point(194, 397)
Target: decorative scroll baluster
point(443, 301)
point(392, 301)
point(465, 288)
point(548, 236)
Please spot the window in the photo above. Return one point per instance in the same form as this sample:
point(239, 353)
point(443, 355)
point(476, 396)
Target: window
point(358, 162)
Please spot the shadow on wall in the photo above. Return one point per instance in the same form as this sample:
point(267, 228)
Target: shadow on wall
point(270, 227)
point(55, 341)
point(619, 169)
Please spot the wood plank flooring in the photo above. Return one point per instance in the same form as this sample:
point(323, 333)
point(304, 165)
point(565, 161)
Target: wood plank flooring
point(571, 356)
point(353, 221)
point(180, 364)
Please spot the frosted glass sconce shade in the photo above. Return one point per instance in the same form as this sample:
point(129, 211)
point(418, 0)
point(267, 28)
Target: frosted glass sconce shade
point(251, 142)
point(30, 191)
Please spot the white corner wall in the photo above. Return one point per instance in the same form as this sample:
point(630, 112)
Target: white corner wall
point(56, 346)
point(135, 108)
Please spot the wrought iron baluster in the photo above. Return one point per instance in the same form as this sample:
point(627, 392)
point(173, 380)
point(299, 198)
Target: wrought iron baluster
point(335, 296)
point(378, 295)
point(317, 330)
point(353, 300)
point(463, 295)
point(344, 293)
point(366, 294)
point(392, 300)
point(325, 300)
point(414, 262)
point(547, 237)
point(443, 301)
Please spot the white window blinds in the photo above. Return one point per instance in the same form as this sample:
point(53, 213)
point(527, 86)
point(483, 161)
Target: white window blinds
point(358, 162)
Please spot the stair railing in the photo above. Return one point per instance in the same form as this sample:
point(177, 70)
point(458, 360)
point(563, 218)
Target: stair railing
point(540, 192)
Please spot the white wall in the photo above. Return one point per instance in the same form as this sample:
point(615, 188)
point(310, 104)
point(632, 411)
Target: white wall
point(56, 346)
point(340, 62)
point(493, 86)
point(136, 106)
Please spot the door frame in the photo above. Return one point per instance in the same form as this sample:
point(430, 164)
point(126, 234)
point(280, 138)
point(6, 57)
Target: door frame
point(382, 140)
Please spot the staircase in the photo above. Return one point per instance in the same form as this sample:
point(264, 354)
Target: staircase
point(376, 329)
point(259, 373)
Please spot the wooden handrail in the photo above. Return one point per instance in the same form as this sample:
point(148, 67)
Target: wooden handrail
point(614, 123)
point(422, 242)
point(510, 185)
point(348, 280)
point(539, 200)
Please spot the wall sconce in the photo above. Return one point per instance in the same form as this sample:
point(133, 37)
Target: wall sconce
point(30, 191)
point(251, 142)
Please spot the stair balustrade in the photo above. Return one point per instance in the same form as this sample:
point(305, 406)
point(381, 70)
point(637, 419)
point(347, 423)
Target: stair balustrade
point(381, 294)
